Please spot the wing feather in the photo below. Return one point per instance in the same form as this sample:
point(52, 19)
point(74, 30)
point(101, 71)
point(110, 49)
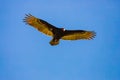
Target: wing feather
point(39, 24)
point(78, 34)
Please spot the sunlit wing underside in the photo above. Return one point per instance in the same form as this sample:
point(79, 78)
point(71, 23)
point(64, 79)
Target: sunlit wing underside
point(78, 34)
point(39, 24)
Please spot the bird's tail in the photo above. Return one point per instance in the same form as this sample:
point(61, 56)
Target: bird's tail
point(54, 42)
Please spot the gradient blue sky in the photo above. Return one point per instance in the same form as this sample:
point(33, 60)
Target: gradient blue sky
point(25, 53)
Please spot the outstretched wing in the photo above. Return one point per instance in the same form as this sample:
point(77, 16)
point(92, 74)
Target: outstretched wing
point(78, 34)
point(39, 24)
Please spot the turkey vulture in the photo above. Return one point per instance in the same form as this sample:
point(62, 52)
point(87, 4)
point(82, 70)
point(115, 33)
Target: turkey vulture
point(57, 33)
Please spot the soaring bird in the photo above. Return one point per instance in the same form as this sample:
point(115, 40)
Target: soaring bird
point(57, 33)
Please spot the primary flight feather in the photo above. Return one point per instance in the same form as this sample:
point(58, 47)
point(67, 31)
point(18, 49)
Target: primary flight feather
point(57, 33)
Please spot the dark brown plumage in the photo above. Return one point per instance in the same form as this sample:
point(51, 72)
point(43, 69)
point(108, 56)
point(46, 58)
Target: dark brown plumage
point(57, 33)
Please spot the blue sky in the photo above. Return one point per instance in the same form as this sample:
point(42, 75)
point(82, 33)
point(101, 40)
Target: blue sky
point(25, 53)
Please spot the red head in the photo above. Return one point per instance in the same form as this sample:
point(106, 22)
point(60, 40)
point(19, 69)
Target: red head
point(63, 29)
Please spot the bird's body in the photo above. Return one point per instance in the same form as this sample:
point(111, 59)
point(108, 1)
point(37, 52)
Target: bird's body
point(57, 33)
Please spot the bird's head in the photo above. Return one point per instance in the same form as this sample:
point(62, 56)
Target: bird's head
point(63, 29)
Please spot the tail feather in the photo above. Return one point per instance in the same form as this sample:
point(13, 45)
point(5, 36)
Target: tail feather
point(54, 42)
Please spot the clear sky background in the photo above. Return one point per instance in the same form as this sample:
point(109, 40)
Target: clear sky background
point(25, 53)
